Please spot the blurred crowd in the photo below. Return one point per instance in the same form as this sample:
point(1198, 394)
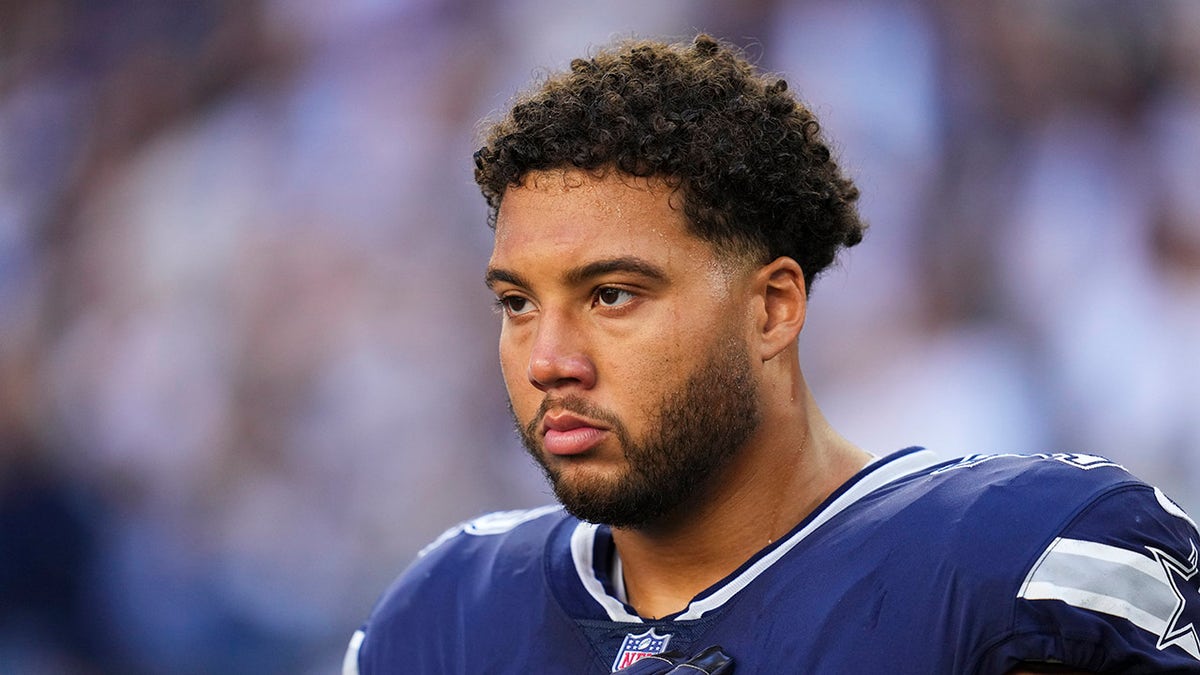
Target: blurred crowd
point(247, 361)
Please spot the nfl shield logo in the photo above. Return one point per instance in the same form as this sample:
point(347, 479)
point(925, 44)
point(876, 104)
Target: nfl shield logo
point(638, 647)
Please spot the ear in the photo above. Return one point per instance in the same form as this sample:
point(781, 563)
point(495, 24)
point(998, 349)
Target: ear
point(780, 285)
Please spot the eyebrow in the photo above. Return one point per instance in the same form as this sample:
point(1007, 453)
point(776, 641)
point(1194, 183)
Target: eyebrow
point(578, 275)
point(629, 264)
point(496, 275)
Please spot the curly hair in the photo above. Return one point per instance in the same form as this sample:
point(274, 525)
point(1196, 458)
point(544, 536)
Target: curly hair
point(755, 175)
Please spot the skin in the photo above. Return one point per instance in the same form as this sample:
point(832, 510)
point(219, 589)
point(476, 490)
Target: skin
point(566, 339)
point(582, 319)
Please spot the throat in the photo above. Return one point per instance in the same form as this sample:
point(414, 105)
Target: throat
point(668, 582)
point(652, 602)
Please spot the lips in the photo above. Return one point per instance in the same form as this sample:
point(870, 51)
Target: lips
point(566, 434)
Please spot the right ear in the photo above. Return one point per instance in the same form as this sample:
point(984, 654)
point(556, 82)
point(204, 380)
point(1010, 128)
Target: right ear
point(780, 284)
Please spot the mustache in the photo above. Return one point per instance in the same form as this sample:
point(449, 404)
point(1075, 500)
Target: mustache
point(575, 404)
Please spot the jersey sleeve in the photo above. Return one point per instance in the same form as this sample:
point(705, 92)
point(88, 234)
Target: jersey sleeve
point(1115, 592)
point(455, 597)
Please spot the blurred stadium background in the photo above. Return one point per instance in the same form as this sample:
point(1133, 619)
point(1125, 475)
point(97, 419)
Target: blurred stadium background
point(247, 358)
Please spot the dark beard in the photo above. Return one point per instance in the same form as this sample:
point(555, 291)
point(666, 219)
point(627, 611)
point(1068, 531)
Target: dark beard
point(698, 429)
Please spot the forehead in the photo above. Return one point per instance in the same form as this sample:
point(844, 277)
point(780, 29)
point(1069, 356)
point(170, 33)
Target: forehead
point(568, 214)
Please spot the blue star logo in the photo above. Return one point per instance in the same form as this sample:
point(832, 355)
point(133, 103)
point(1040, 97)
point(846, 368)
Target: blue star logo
point(1179, 574)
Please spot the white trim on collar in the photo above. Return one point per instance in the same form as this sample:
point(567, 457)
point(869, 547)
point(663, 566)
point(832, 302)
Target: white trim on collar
point(887, 471)
point(583, 543)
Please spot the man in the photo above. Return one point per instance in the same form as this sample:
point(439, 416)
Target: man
point(661, 213)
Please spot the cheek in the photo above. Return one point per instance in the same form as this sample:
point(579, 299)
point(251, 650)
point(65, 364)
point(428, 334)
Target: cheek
point(645, 372)
point(664, 362)
point(514, 368)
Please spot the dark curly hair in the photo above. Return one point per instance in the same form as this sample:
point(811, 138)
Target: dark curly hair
point(756, 177)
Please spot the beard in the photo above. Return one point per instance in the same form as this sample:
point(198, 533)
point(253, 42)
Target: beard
point(698, 429)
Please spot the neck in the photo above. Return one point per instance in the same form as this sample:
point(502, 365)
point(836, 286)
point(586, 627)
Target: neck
point(783, 474)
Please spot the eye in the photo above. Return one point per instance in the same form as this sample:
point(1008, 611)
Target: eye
point(515, 305)
point(608, 296)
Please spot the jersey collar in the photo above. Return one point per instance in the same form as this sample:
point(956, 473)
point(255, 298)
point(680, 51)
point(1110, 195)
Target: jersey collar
point(581, 557)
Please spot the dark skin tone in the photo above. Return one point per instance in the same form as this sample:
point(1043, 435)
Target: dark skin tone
point(607, 296)
point(624, 348)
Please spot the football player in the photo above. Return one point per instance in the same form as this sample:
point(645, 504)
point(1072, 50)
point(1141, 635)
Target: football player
point(661, 213)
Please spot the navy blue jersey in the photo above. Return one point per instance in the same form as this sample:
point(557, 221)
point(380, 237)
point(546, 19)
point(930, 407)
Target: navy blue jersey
point(914, 566)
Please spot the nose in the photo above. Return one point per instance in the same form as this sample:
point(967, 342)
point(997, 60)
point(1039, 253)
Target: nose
point(558, 359)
